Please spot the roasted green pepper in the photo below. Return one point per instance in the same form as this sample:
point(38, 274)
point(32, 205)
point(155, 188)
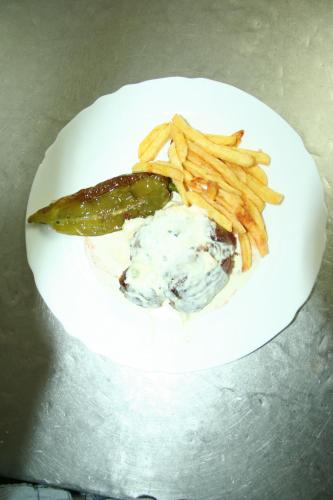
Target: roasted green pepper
point(103, 208)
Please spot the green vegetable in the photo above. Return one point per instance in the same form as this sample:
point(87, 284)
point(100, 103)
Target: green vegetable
point(104, 208)
point(172, 187)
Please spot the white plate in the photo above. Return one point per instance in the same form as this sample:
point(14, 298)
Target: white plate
point(101, 142)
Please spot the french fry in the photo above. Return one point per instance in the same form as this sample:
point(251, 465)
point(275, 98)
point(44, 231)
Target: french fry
point(246, 251)
point(259, 221)
point(260, 240)
point(160, 168)
point(222, 152)
point(212, 172)
point(264, 192)
point(255, 231)
point(236, 225)
point(200, 201)
point(150, 137)
point(197, 160)
point(239, 171)
point(226, 140)
point(258, 173)
point(239, 136)
point(162, 163)
point(182, 191)
point(141, 166)
point(201, 168)
point(253, 243)
point(200, 185)
point(180, 142)
point(173, 157)
point(157, 143)
point(256, 216)
point(223, 203)
point(212, 190)
point(233, 200)
point(187, 176)
point(196, 184)
point(259, 156)
point(227, 174)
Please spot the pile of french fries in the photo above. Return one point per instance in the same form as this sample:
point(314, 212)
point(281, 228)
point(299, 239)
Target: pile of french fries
point(214, 173)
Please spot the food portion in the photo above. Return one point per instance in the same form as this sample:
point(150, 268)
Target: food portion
point(180, 256)
point(212, 172)
point(104, 208)
point(184, 254)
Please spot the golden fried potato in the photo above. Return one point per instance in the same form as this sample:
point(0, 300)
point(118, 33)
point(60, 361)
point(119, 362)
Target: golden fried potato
point(180, 142)
point(246, 251)
point(222, 152)
point(181, 190)
point(173, 156)
point(264, 192)
point(258, 173)
point(259, 236)
point(228, 175)
point(160, 168)
point(258, 156)
point(226, 140)
point(150, 137)
point(159, 138)
point(203, 169)
point(200, 201)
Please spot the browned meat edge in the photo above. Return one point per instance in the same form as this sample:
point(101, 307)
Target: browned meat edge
point(224, 236)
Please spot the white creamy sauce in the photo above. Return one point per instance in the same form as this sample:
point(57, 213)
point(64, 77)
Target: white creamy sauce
point(166, 256)
point(174, 257)
point(110, 253)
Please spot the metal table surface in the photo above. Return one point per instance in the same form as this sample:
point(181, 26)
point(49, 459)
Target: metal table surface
point(258, 428)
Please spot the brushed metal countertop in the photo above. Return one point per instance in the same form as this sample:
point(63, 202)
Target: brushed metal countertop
point(258, 428)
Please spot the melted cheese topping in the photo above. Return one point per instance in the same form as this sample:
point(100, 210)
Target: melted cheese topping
point(174, 258)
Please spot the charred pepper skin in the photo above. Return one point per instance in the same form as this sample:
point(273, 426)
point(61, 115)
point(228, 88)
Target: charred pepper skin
point(103, 208)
